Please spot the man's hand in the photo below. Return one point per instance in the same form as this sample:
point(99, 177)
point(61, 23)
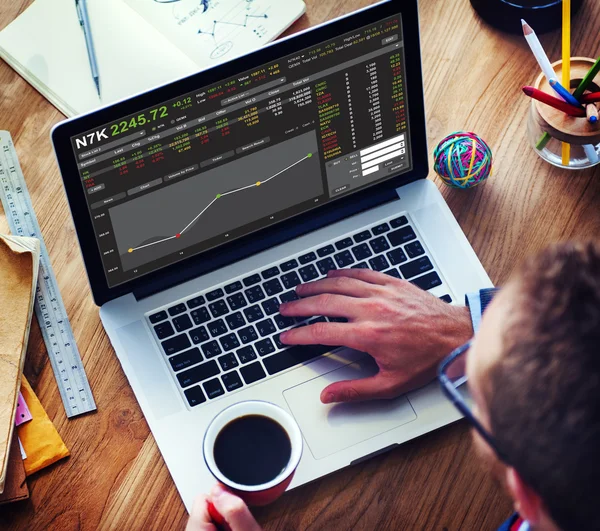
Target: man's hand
point(407, 331)
point(232, 509)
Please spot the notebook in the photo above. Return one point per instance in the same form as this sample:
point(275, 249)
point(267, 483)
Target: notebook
point(19, 266)
point(140, 44)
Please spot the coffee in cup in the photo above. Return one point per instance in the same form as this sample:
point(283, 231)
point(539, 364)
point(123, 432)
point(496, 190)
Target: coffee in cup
point(253, 448)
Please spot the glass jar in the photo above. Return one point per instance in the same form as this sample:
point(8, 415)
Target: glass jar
point(548, 128)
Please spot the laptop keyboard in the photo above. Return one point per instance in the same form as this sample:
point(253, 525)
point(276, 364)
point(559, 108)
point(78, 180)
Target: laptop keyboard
point(228, 337)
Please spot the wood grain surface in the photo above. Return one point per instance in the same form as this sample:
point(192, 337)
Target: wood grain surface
point(116, 478)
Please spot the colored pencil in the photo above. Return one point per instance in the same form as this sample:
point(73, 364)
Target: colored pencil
point(592, 113)
point(564, 93)
point(545, 65)
point(591, 153)
point(592, 97)
point(546, 98)
point(585, 82)
point(538, 51)
point(566, 66)
point(543, 141)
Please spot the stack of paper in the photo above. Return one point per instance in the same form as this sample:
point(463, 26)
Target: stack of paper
point(15, 488)
point(19, 265)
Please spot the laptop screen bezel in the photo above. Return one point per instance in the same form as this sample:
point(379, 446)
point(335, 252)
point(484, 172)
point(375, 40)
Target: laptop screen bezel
point(275, 234)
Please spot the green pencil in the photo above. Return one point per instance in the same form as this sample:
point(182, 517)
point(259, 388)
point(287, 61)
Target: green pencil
point(543, 142)
point(585, 82)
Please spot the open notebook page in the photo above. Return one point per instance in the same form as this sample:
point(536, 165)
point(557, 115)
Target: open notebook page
point(213, 31)
point(46, 46)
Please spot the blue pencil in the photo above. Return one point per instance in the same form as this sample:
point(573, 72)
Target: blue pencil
point(564, 93)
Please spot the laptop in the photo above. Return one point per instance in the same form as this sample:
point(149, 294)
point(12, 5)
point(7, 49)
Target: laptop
point(200, 206)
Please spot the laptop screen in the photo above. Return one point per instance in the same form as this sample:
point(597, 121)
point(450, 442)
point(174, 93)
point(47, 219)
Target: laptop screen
point(228, 159)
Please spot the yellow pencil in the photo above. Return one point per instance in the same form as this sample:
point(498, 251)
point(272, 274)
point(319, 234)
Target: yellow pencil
point(566, 65)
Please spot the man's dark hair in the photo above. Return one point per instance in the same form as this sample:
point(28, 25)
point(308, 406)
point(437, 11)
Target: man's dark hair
point(545, 391)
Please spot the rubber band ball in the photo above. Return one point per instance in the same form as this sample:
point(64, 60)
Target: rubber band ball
point(463, 160)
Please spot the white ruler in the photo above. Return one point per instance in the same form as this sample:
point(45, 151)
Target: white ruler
point(49, 307)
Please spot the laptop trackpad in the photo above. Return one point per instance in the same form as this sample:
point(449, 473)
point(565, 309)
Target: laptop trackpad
point(329, 428)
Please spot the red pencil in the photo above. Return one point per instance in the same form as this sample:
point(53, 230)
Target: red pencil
point(590, 98)
point(571, 110)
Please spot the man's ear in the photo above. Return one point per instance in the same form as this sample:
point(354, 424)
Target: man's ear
point(527, 502)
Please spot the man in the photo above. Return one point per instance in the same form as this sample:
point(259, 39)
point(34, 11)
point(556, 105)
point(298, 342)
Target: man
point(533, 372)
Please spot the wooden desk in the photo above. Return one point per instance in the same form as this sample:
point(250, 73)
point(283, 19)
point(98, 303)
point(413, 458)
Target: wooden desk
point(116, 477)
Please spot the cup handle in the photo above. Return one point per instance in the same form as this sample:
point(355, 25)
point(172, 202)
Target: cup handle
point(217, 518)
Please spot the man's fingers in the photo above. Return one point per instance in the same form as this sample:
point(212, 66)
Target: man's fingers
point(324, 304)
point(331, 334)
point(340, 285)
point(199, 518)
point(380, 386)
point(366, 275)
point(370, 388)
point(233, 509)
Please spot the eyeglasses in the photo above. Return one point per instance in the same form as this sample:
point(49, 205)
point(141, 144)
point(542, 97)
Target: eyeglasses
point(453, 379)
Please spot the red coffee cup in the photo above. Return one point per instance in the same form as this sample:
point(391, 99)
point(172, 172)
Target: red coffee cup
point(269, 491)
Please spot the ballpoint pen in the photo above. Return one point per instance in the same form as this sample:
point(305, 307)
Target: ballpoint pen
point(84, 20)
